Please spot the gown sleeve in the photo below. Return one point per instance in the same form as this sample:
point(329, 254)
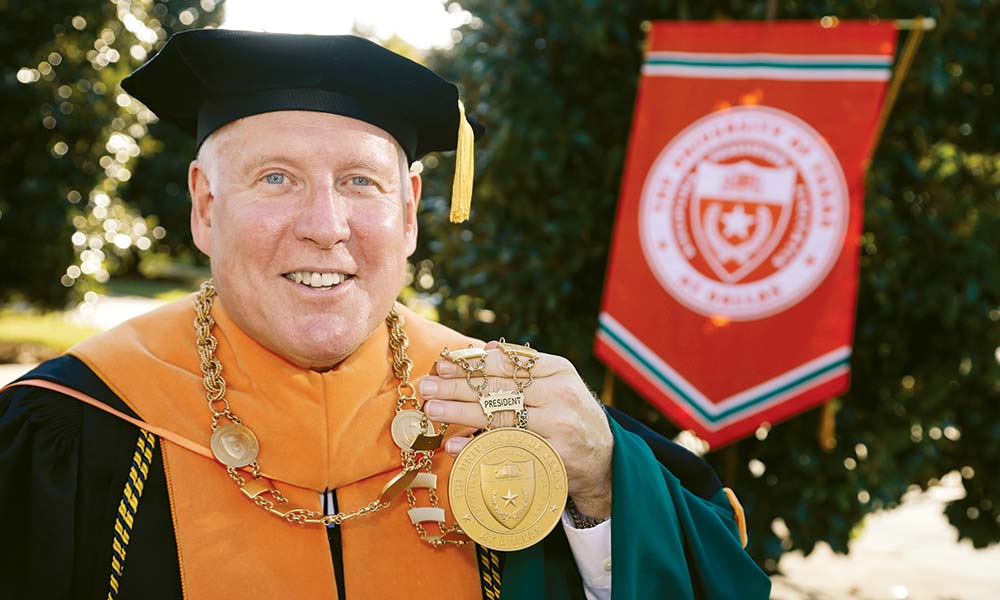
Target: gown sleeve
point(667, 541)
point(39, 463)
point(63, 467)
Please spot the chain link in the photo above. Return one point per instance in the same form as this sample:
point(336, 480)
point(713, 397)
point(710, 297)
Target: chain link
point(270, 498)
point(518, 365)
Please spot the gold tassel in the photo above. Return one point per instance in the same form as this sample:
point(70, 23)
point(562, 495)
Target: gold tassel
point(461, 189)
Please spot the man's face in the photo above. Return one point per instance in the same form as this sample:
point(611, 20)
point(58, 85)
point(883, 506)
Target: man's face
point(308, 219)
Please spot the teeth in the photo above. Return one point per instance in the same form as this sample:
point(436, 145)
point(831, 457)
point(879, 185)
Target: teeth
point(315, 279)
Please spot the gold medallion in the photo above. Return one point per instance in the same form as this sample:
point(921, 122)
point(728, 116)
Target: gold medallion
point(234, 445)
point(508, 489)
point(406, 427)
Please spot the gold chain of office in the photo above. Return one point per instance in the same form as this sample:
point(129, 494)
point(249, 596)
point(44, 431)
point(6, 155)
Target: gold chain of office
point(235, 445)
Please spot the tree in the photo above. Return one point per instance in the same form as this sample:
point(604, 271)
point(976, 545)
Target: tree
point(73, 137)
point(555, 84)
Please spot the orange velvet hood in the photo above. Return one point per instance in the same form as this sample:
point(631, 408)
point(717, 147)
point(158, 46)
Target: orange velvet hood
point(317, 431)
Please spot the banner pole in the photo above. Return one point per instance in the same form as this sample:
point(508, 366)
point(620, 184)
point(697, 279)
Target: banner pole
point(827, 431)
point(608, 393)
point(772, 10)
point(921, 23)
point(916, 27)
point(826, 434)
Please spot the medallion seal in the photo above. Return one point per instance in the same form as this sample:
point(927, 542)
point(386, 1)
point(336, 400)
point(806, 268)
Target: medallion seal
point(508, 489)
point(406, 427)
point(234, 445)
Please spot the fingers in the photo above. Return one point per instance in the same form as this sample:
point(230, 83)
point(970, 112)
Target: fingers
point(457, 413)
point(431, 387)
point(471, 415)
point(499, 365)
point(456, 444)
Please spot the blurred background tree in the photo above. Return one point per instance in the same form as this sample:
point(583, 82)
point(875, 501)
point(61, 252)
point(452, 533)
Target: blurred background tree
point(555, 84)
point(73, 138)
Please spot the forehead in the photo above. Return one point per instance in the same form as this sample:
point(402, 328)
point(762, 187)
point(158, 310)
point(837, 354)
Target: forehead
point(306, 135)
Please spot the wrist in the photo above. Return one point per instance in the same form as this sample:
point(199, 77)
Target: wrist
point(582, 520)
point(591, 506)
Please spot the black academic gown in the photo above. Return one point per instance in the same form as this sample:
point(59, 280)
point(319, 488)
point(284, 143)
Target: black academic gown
point(63, 466)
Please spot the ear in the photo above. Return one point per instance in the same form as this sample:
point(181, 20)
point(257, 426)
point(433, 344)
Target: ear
point(201, 207)
point(416, 186)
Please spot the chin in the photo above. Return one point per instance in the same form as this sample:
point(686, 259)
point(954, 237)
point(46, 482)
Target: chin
point(320, 348)
point(323, 364)
point(317, 359)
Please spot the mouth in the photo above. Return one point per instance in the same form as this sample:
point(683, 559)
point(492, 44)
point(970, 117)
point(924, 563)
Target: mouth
point(318, 280)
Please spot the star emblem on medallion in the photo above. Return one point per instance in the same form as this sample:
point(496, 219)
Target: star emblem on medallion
point(509, 498)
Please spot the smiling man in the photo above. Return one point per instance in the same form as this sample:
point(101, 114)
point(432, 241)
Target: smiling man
point(264, 437)
point(309, 218)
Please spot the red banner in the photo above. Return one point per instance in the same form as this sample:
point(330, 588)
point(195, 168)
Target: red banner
point(733, 275)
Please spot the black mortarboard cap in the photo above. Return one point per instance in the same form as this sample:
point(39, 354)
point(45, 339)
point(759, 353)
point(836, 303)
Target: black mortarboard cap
point(204, 78)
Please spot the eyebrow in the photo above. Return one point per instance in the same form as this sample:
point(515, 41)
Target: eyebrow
point(260, 159)
point(352, 162)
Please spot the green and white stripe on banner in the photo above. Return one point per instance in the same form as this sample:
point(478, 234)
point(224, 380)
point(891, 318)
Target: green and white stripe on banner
point(715, 415)
point(765, 65)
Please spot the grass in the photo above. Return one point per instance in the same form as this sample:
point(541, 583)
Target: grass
point(149, 288)
point(54, 331)
point(49, 329)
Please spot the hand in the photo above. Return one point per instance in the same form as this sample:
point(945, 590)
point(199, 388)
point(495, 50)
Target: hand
point(560, 409)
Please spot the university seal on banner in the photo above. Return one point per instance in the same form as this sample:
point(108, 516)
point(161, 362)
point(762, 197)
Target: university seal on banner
point(743, 213)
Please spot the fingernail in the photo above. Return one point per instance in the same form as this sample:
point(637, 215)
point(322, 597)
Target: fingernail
point(433, 410)
point(451, 446)
point(428, 387)
point(444, 367)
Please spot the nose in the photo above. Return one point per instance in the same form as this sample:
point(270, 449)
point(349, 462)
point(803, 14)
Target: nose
point(323, 218)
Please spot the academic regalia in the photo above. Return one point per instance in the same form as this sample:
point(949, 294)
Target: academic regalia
point(91, 502)
point(63, 466)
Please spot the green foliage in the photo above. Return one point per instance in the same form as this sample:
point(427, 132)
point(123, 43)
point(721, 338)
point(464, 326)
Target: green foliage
point(72, 137)
point(555, 83)
point(159, 188)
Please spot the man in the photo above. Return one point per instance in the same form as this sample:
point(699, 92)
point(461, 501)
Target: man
point(256, 452)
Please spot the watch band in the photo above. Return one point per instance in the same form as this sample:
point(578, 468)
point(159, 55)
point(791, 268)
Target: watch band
point(580, 520)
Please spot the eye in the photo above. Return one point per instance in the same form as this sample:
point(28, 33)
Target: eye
point(274, 178)
point(360, 180)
